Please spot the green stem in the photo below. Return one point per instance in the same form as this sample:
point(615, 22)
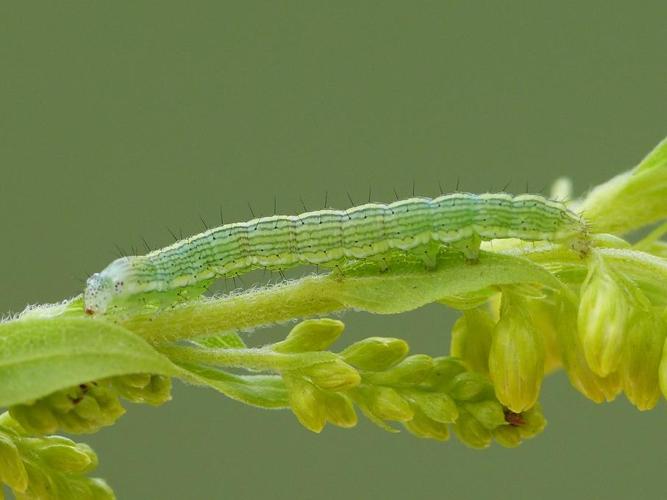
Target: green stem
point(405, 287)
point(245, 311)
point(252, 359)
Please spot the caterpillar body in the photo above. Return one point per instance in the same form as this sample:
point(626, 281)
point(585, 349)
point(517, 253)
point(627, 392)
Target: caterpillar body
point(330, 237)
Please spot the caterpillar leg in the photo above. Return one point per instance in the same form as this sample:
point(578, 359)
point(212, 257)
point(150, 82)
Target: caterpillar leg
point(469, 247)
point(429, 255)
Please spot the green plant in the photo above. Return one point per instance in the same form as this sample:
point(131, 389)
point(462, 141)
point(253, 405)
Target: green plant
point(527, 309)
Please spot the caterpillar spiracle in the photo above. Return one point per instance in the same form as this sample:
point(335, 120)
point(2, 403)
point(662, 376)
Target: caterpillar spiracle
point(330, 237)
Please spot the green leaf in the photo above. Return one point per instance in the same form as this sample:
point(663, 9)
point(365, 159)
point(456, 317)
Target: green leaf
point(632, 199)
point(40, 356)
point(655, 159)
point(411, 286)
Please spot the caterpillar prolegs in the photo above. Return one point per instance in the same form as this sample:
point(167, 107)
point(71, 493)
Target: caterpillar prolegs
point(329, 237)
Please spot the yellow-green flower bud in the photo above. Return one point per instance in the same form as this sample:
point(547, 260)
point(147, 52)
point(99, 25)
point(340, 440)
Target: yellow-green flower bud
point(12, 470)
point(99, 489)
point(545, 318)
point(471, 339)
point(306, 402)
point(507, 436)
point(387, 404)
point(311, 335)
point(532, 422)
point(36, 417)
point(412, 370)
point(581, 376)
point(424, 427)
point(435, 405)
point(143, 388)
point(68, 456)
point(516, 360)
point(375, 353)
point(332, 375)
point(445, 368)
point(641, 362)
point(489, 413)
point(339, 410)
point(40, 484)
point(662, 370)
point(469, 386)
point(471, 432)
point(604, 311)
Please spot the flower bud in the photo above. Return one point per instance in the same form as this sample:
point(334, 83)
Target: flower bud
point(604, 310)
point(662, 370)
point(489, 413)
point(532, 422)
point(507, 436)
point(641, 362)
point(12, 470)
point(70, 458)
point(143, 388)
point(40, 484)
point(412, 370)
point(469, 386)
point(332, 375)
point(387, 404)
point(436, 406)
point(339, 410)
point(471, 432)
point(545, 319)
point(445, 368)
point(99, 489)
point(424, 427)
point(581, 377)
point(471, 339)
point(36, 417)
point(516, 359)
point(311, 335)
point(375, 353)
point(306, 402)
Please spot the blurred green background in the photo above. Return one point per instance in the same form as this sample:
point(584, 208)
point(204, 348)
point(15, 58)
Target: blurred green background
point(120, 119)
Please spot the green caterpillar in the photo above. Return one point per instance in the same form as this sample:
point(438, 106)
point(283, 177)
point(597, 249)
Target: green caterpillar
point(329, 237)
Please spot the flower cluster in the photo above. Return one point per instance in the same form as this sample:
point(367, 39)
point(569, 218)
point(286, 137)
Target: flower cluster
point(608, 335)
point(426, 395)
point(622, 336)
point(47, 467)
point(86, 408)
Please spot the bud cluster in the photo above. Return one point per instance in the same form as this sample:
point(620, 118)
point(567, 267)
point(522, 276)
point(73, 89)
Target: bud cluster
point(316, 392)
point(426, 395)
point(80, 409)
point(612, 341)
point(48, 466)
point(511, 350)
point(622, 336)
point(145, 388)
point(86, 408)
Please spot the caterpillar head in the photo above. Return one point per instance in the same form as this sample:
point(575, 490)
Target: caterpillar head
point(102, 287)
